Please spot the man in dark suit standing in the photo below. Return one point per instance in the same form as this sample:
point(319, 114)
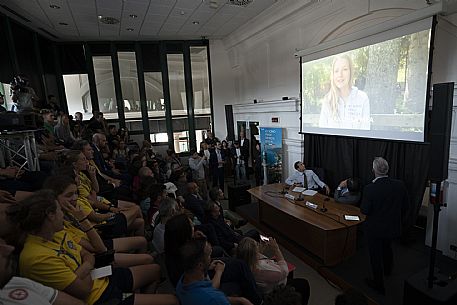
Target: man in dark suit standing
point(244, 145)
point(384, 202)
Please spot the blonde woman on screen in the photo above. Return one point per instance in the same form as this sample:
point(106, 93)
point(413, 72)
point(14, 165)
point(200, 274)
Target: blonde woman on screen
point(344, 106)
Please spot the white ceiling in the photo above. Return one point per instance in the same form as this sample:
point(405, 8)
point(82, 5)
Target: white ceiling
point(156, 19)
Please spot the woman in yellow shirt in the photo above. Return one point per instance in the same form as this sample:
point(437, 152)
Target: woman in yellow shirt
point(76, 222)
point(126, 219)
point(53, 259)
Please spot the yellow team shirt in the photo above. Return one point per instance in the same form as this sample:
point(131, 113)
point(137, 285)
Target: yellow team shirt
point(76, 233)
point(53, 263)
point(85, 185)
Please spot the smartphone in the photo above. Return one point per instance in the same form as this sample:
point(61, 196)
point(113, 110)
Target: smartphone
point(264, 238)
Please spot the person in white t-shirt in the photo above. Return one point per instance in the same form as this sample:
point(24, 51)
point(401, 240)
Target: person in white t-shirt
point(344, 106)
point(22, 291)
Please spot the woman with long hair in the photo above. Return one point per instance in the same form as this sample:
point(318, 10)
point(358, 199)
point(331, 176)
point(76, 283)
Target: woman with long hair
point(269, 273)
point(344, 106)
point(50, 256)
point(62, 130)
point(76, 223)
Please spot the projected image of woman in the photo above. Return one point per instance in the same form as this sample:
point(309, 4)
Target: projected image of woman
point(344, 106)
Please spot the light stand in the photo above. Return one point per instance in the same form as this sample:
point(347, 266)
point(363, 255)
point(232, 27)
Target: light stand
point(435, 199)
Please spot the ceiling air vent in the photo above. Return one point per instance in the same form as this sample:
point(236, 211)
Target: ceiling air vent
point(108, 20)
point(240, 2)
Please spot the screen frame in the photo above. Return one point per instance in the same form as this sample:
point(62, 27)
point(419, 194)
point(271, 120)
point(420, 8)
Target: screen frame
point(327, 50)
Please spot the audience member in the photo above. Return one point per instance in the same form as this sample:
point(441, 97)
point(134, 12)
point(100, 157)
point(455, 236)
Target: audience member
point(193, 287)
point(63, 132)
point(216, 195)
point(239, 162)
point(194, 202)
point(216, 166)
point(18, 290)
point(245, 149)
point(167, 209)
point(210, 139)
point(70, 264)
point(197, 164)
point(270, 273)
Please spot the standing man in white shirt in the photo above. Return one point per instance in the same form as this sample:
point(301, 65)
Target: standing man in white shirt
point(244, 145)
point(239, 161)
point(307, 178)
point(197, 163)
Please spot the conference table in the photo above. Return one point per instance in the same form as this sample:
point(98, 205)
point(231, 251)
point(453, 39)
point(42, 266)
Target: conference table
point(320, 229)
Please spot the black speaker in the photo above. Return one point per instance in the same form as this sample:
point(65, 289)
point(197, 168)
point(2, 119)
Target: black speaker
point(416, 291)
point(230, 123)
point(440, 130)
point(238, 195)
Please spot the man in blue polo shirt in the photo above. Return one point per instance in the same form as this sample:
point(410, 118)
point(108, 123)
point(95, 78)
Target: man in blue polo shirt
point(194, 287)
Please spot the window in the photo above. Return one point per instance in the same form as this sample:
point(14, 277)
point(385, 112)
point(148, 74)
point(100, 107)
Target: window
point(200, 80)
point(154, 94)
point(177, 85)
point(77, 93)
point(5, 89)
point(105, 86)
point(129, 84)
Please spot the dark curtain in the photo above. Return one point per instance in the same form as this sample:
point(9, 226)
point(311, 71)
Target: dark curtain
point(343, 157)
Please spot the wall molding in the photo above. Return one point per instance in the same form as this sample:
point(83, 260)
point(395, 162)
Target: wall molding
point(267, 106)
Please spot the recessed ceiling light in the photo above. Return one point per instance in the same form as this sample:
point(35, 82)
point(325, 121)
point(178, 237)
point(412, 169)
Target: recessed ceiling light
point(108, 20)
point(195, 22)
point(63, 23)
point(54, 6)
point(133, 16)
point(130, 29)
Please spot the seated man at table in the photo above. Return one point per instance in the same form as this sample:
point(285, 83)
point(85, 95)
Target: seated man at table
point(348, 191)
point(312, 181)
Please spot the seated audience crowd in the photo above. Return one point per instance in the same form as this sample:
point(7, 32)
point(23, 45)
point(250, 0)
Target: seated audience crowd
point(95, 224)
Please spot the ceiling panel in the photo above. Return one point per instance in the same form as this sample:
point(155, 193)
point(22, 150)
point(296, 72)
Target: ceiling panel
point(155, 18)
point(110, 4)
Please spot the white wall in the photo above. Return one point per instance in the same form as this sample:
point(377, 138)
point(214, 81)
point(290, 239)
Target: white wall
point(257, 62)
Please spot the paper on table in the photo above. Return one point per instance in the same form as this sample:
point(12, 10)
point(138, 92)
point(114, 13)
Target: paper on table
point(101, 272)
point(351, 217)
point(309, 192)
point(298, 189)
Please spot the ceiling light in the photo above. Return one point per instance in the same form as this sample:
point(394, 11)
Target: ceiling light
point(130, 29)
point(182, 13)
point(240, 2)
point(195, 22)
point(54, 6)
point(133, 16)
point(63, 23)
point(108, 20)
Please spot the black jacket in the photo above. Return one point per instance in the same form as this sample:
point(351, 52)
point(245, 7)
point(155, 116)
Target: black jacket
point(385, 202)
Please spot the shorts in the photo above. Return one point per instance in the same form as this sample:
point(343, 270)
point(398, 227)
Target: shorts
point(119, 282)
point(120, 225)
point(109, 244)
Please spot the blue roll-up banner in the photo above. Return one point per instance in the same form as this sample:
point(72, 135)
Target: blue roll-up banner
point(271, 148)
